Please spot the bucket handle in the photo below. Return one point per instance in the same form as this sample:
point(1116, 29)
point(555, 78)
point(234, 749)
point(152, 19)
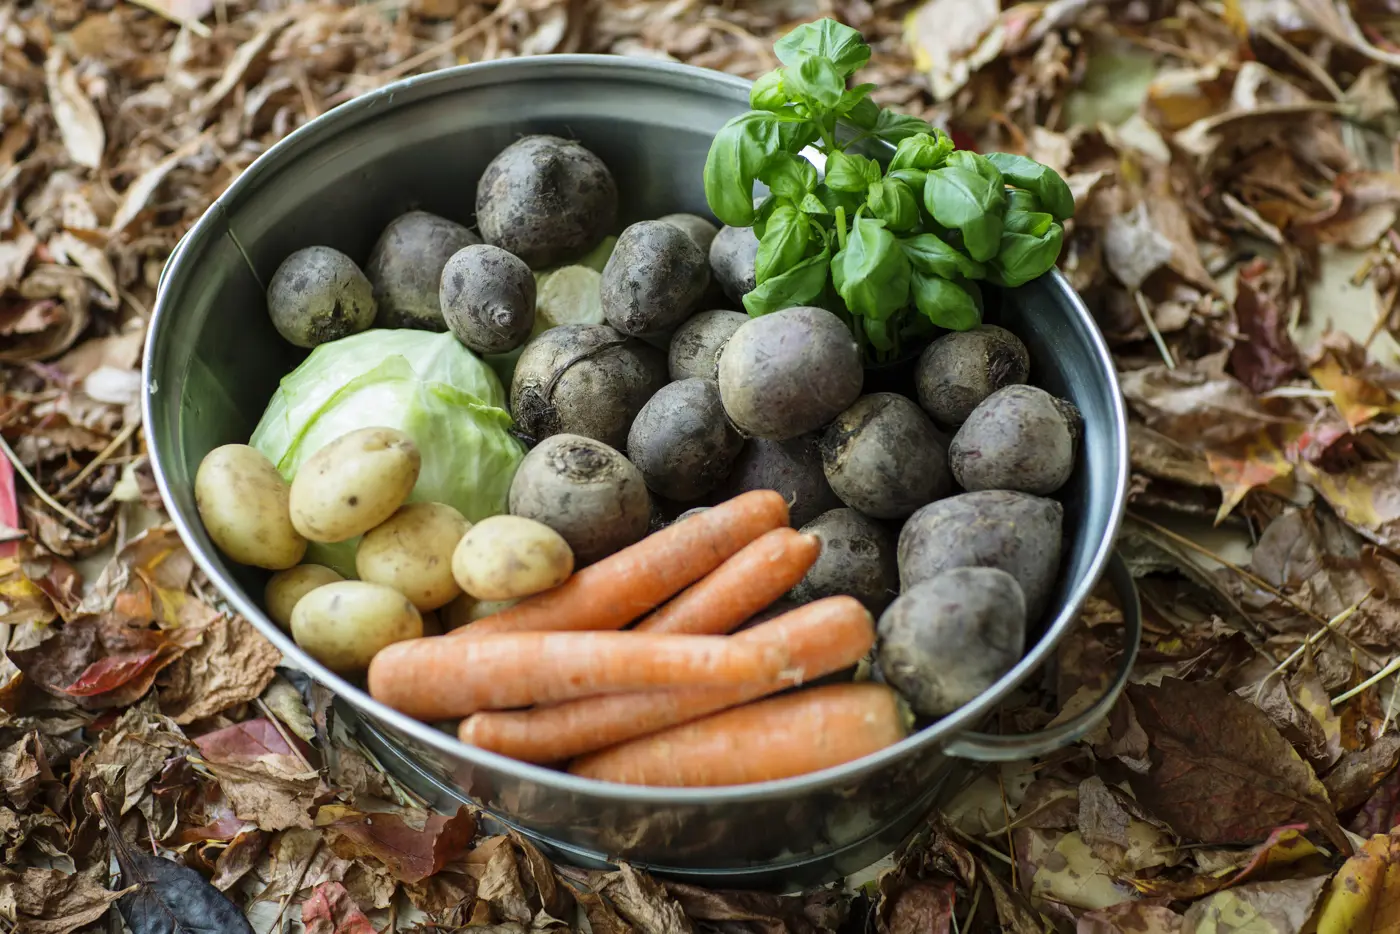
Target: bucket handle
point(992, 747)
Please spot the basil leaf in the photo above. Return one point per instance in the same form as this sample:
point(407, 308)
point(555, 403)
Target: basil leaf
point(1018, 199)
point(1041, 180)
point(914, 178)
point(932, 256)
point(832, 199)
point(877, 332)
point(946, 303)
point(960, 198)
point(893, 127)
point(975, 162)
point(864, 113)
point(844, 46)
point(853, 98)
point(788, 176)
point(871, 273)
point(1024, 257)
point(800, 285)
point(737, 153)
point(922, 151)
point(848, 172)
point(785, 239)
point(1034, 223)
point(894, 203)
point(815, 81)
point(768, 93)
point(761, 213)
point(811, 204)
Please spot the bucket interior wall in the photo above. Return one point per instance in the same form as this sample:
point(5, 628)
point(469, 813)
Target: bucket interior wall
point(216, 360)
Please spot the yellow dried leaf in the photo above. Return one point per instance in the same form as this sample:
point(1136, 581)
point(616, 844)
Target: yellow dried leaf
point(1073, 875)
point(1364, 897)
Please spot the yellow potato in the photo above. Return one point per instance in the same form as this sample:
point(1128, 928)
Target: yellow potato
point(505, 557)
point(354, 483)
point(286, 588)
point(467, 609)
point(411, 551)
point(243, 503)
point(343, 625)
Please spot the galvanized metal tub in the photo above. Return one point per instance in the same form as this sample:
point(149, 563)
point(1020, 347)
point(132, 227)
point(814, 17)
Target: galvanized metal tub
point(213, 360)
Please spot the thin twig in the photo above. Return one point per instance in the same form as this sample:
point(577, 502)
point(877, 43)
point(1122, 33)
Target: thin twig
point(266, 711)
point(1006, 815)
point(296, 886)
point(972, 912)
point(1313, 637)
point(1252, 578)
point(442, 48)
point(405, 795)
point(48, 500)
point(1316, 71)
point(1376, 678)
point(1383, 318)
point(1152, 329)
point(122, 437)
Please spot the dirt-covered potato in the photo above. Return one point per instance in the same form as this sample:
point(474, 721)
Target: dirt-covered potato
point(343, 624)
point(957, 371)
point(584, 379)
point(948, 639)
point(546, 199)
point(682, 442)
point(857, 558)
point(411, 551)
point(700, 230)
point(488, 298)
point(1019, 438)
point(884, 457)
point(1014, 532)
point(792, 467)
point(406, 269)
point(286, 588)
point(654, 279)
point(790, 372)
point(584, 490)
point(244, 505)
point(354, 483)
point(695, 347)
point(506, 557)
point(317, 295)
point(732, 256)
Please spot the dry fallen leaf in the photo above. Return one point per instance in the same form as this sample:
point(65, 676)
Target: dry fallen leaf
point(231, 665)
point(330, 910)
point(49, 901)
point(268, 781)
point(1221, 773)
point(1264, 907)
point(412, 845)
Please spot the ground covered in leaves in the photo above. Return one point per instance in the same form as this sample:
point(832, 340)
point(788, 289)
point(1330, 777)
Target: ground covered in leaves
point(1238, 185)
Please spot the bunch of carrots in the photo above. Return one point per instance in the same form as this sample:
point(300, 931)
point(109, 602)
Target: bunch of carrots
point(565, 678)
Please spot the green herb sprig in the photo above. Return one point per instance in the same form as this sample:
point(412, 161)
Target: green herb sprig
point(896, 248)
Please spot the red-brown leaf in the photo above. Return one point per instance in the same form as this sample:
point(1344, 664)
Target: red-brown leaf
point(412, 845)
point(331, 910)
point(1267, 357)
point(110, 673)
point(1221, 772)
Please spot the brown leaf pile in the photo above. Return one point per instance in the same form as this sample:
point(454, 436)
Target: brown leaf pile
point(1237, 188)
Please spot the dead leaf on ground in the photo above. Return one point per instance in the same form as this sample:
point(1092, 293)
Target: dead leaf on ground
point(1266, 907)
point(267, 781)
point(330, 910)
point(413, 845)
point(49, 901)
point(231, 665)
point(1221, 773)
point(1364, 895)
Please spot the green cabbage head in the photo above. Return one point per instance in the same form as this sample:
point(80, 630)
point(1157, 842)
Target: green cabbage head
point(423, 383)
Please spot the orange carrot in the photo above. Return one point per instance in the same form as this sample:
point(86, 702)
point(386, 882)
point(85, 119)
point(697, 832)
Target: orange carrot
point(616, 590)
point(819, 638)
point(793, 734)
point(441, 677)
point(760, 573)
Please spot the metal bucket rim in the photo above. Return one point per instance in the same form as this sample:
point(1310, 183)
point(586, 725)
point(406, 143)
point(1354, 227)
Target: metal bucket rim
point(347, 116)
